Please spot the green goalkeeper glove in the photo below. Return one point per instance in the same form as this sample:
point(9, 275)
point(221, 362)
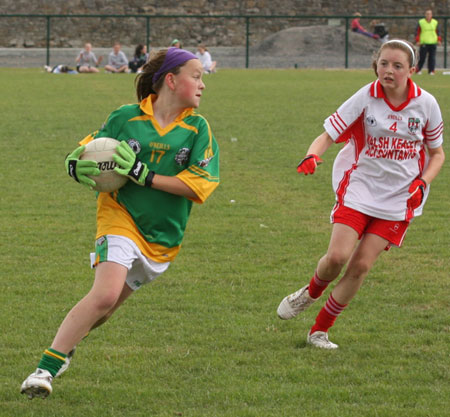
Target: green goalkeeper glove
point(80, 169)
point(130, 166)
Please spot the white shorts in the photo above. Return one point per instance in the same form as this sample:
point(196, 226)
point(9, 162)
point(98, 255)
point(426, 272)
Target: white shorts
point(122, 250)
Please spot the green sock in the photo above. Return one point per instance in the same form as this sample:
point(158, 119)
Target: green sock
point(52, 360)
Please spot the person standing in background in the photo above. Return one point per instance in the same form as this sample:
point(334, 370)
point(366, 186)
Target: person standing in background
point(427, 37)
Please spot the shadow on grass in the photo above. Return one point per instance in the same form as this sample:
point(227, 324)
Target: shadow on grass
point(301, 345)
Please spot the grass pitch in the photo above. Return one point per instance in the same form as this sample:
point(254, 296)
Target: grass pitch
point(204, 339)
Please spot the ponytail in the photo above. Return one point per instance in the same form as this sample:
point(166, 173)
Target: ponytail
point(143, 83)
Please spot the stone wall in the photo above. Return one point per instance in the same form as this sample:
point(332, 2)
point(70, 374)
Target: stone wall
point(102, 32)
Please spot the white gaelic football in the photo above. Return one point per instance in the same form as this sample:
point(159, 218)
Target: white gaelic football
point(102, 150)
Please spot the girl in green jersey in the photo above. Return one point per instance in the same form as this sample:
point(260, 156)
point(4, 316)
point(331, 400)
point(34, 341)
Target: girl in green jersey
point(171, 158)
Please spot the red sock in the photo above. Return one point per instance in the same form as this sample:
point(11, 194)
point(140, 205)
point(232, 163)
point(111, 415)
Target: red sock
point(317, 286)
point(328, 315)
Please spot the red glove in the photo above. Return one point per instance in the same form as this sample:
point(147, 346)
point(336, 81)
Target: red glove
point(417, 191)
point(308, 164)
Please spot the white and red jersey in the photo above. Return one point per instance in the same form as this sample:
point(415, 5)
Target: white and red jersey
point(385, 149)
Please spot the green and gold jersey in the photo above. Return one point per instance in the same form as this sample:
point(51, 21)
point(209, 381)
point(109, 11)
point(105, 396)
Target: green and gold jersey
point(153, 219)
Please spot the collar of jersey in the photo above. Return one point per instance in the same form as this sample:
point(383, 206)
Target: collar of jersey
point(376, 91)
point(146, 106)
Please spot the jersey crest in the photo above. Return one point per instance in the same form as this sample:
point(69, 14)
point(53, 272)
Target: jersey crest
point(371, 121)
point(135, 145)
point(413, 125)
point(100, 241)
point(204, 162)
point(182, 156)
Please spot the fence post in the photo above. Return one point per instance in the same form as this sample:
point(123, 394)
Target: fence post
point(445, 43)
point(247, 41)
point(147, 27)
point(346, 41)
point(48, 40)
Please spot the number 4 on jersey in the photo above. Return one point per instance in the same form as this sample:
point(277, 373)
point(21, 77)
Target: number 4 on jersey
point(394, 127)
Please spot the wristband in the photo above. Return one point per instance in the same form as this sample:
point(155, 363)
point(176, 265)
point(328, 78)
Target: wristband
point(149, 179)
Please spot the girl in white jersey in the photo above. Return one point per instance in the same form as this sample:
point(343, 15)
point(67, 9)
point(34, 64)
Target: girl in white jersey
point(392, 131)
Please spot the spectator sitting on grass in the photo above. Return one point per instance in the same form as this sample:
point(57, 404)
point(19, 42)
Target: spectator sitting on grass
point(205, 58)
point(139, 59)
point(117, 60)
point(86, 60)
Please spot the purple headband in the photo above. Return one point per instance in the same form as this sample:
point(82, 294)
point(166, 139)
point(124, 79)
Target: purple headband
point(174, 57)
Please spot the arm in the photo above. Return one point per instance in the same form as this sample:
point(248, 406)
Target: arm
point(418, 186)
point(172, 185)
point(95, 60)
point(438, 35)
point(123, 58)
point(201, 173)
point(418, 34)
point(308, 164)
point(320, 144)
point(356, 25)
point(130, 166)
point(208, 62)
point(359, 26)
point(437, 158)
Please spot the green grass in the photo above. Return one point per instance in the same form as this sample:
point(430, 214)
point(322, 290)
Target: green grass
point(204, 339)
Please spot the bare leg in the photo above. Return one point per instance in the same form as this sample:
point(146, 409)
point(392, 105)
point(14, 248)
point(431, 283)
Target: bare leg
point(103, 298)
point(342, 243)
point(362, 260)
point(126, 292)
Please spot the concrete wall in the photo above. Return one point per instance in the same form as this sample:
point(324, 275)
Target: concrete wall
point(73, 32)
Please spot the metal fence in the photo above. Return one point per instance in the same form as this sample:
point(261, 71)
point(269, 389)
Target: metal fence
point(250, 32)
